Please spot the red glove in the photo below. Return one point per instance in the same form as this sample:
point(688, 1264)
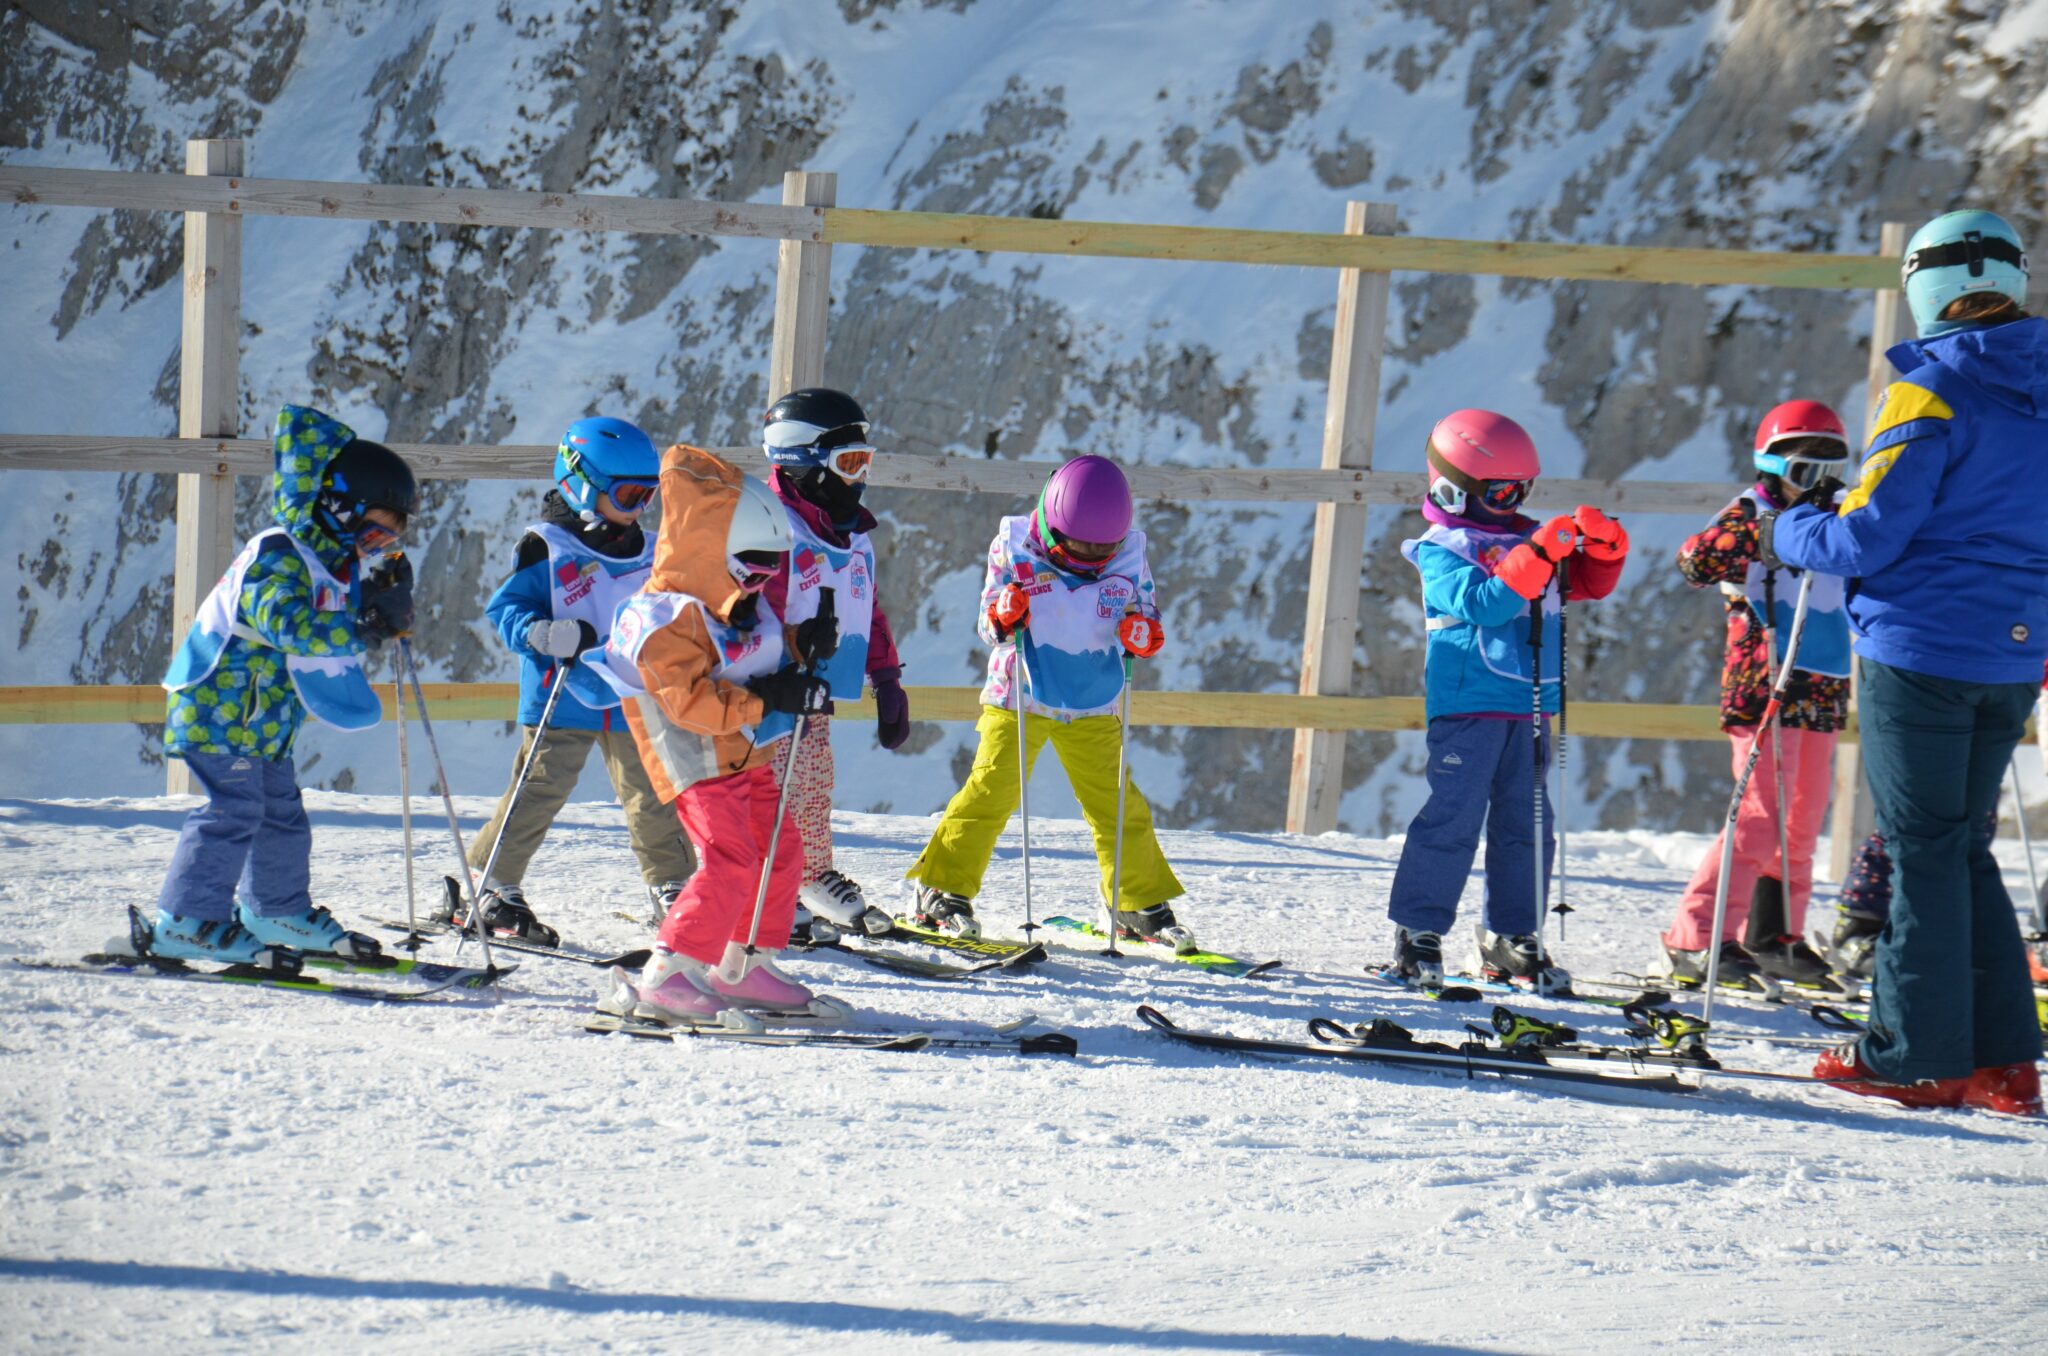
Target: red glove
point(1141, 635)
point(1010, 610)
point(1556, 539)
point(1605, 538)
point(1525, 570)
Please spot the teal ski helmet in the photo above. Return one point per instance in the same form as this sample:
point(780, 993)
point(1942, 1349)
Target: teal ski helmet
point(601, 455)
point(1956, 254)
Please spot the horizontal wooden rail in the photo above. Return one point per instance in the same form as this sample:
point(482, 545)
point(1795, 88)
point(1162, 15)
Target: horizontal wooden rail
point(892, 470)
point(139, 705)
point(446, 206)
point(458, 206)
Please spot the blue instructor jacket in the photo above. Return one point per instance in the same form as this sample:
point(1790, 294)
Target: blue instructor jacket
point(1945, 537)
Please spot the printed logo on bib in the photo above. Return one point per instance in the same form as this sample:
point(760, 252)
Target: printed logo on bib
point(1113, 597)
point(1031, 581)
point(805, 564)
point(1490, 557)
point(738, 647)
point(860, 577)
point(576, 581)
point(626, 631)
point(327, 598)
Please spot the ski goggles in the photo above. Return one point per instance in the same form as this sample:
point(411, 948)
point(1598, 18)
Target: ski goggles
point(1803, 466)
point(752, 575)
point(629, 494)
point(1971, 251)
point(851, 462)
point(373, 536)
point(1079, 557)
point(1504, 496)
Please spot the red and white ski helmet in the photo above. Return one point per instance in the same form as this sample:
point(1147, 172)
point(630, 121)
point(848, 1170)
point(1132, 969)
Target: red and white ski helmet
point(1799, 420)
point(1477, 456)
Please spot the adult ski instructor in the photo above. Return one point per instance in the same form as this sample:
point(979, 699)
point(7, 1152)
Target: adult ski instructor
point(1949, 605)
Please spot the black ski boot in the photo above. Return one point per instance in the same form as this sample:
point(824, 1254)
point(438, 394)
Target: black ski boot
point(1852, 951)
point(938, 911)
point(506, 914)
point(1157, 924)
point(1521, 957)
point(1419, 958)
point(1790, 960)
point(1738, 969)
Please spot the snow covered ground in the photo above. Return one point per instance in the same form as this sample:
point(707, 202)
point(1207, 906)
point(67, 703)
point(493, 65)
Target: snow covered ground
point(186, 1166)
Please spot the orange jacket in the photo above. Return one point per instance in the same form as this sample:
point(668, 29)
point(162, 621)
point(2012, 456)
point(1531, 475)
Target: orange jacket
point(689, 725)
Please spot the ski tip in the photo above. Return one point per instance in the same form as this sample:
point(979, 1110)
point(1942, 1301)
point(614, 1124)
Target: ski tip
point(1154, 1018)
point(1048, 1043)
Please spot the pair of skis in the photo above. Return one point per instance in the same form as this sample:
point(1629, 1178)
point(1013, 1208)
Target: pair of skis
point(1007, 1039)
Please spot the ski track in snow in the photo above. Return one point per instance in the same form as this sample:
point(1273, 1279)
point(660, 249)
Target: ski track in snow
point(186, 1166)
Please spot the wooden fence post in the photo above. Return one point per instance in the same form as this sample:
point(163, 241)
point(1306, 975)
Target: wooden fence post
point(1337, 560)
point(209, 400)
point(1853, 816)
point(803, 287)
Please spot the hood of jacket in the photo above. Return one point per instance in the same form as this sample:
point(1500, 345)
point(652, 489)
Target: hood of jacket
point(698, 495)
point(2008, 362)
point(303, 442)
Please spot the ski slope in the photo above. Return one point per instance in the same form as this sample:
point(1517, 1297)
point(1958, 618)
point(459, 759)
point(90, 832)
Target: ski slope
point(186, 1166)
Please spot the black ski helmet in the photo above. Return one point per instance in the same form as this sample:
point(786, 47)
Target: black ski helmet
point(365, 475)
point(797, 430)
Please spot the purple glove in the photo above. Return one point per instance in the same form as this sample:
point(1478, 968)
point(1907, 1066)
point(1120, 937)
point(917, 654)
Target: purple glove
point(892, 712)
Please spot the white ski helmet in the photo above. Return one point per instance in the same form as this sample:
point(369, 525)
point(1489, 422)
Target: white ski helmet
point(759, 523)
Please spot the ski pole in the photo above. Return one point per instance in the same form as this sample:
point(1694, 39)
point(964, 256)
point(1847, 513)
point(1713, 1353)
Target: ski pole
point(413, 940)
point(1536, 754)
point(1024, 787)
point(2019, 812)
point(540, 732)
point(1564, 791)
point(796, 736)
point(1756, 750)
point(419, 702)
point(1116, 860)
point(1778, 757)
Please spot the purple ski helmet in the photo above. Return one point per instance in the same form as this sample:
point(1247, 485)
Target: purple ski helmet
point(1086, 500)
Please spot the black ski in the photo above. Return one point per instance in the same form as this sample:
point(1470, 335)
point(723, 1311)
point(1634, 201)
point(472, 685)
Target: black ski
point(1005, 1040)
point(988, 948)
point(1467, 1060)
point(924, 969)
point(430, 927)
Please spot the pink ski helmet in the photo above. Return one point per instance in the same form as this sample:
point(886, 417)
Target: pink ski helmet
point(1479, 458)
point(1086, 500)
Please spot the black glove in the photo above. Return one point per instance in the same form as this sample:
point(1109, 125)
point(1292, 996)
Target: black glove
point(1823, 495)
point(386, 607)
point(892, 713)
point(790, 690)
point(817, 640)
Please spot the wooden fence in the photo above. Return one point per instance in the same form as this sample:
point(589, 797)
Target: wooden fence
point(215, 195)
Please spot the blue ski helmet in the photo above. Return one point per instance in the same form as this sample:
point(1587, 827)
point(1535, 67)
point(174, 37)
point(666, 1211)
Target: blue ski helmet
point(595, 453)
point(1956, 254)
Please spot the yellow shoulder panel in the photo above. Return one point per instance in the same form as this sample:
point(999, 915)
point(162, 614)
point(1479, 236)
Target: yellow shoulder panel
point(1875, 468)
point(1904, 402)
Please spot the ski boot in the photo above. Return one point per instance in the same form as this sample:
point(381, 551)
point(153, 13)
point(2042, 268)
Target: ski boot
point(807, 930)
point(1843, 1067)
point(1737, 969)
point(840, 902)
point(1852, 951)
point(1521, 957)
point(506, 914)
point(672, 990)
point(314, 930)
point(175, 937)
point(1790, 960)
point(1418, 958)
point(660, 899)
point(755, 984)
point(938, 911)
point(1156, 924)
point(2011, 1089)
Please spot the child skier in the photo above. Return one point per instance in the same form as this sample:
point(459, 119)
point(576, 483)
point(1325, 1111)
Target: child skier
point(279, 636)
point(1798, 444)
point(571, 570)
point(711, 689)
point(1482, 565)
point(1068, 585)
point(818, 442)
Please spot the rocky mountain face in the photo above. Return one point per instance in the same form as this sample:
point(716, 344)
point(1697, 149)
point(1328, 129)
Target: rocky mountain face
point(1680, 122)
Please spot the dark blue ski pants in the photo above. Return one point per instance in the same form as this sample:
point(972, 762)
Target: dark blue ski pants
point(1482, 774)
point(1951, 991)
point(252, 831)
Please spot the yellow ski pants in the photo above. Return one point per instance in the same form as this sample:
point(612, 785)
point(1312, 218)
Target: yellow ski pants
point(957, 855)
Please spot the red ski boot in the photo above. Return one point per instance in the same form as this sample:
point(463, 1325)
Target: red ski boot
point(2011, 1089)
point(1843, 1066)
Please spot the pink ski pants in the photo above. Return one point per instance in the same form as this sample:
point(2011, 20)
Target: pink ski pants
point(1809, 776)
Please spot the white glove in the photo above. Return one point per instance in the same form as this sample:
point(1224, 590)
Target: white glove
point(555, 639)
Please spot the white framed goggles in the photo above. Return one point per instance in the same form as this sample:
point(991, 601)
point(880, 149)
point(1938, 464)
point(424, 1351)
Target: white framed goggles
point(852, 461)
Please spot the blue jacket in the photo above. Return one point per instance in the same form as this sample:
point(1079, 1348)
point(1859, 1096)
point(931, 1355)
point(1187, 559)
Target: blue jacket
point(1477, 660)
point(526, 597)
point(1943, 538)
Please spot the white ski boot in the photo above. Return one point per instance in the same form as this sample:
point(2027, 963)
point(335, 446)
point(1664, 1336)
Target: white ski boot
point(839, 901)
point(1419, 958)
point(1156, 924)
point(940, 912)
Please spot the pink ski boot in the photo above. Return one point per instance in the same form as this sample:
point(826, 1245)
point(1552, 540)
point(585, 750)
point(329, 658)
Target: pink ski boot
point(671, 990)
point(761, 987)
